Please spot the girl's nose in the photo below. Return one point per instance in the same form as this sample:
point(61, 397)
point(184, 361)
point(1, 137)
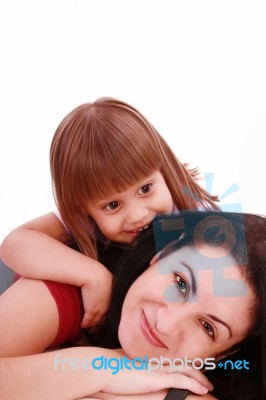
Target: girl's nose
point(137, 215)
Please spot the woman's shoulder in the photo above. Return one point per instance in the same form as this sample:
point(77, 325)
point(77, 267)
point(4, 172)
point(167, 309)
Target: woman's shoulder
point(70, 311)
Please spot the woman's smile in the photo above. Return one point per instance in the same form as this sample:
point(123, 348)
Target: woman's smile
point(171, 309)
point(148, 332)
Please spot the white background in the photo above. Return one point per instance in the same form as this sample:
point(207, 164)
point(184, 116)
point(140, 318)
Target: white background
point(195, 69)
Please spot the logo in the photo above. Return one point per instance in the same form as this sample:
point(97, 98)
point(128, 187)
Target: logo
point(138, 363)
point(208, 227)
point(233, 365)
point(231, 207)
point(144, 363)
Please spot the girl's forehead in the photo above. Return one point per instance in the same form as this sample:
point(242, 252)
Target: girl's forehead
point(114, 187)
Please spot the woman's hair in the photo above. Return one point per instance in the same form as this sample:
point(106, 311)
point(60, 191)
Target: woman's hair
point(104, 147)
point(243, 235)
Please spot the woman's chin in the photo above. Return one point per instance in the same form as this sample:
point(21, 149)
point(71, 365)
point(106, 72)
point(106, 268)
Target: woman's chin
point(128, 344)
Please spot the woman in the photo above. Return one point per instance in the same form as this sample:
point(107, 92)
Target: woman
point(164, 308)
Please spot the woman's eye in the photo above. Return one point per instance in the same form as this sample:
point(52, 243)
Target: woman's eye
point(145, 188)
point(112, 205)
point(208, 329)
point(182, 285)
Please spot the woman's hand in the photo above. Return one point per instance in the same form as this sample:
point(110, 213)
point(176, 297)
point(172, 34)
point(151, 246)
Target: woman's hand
point(203, 397)
point(145, 381)
point(148, 396)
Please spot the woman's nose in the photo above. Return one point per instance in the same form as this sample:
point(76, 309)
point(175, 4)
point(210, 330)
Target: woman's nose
point(172, 319)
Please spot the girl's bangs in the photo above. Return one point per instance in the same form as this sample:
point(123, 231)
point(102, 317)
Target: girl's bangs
point(110, 176)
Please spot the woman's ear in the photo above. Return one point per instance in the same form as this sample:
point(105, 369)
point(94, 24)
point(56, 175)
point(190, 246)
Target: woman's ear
point(229, 352)
point(166, 250)
point(155, 258)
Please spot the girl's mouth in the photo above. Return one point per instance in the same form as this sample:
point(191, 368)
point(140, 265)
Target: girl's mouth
point(140, 229)
point(135, 232)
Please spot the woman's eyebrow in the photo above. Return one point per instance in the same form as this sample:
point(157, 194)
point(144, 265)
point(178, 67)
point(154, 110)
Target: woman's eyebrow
point(194, 289)
point(213, 317)
point(192, 276)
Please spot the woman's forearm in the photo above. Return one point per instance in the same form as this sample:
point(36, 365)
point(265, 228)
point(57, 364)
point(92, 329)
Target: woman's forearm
point(147, 396)
point(160, 395)
point(68, 375)
point(43, 377)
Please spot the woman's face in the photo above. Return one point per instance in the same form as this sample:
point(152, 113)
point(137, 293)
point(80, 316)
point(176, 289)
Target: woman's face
point(194, 303)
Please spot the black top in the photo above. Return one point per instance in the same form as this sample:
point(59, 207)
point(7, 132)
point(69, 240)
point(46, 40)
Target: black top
point(109, 253)
point(177, 394)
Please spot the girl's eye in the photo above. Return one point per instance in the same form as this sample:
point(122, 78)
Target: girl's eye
point(182, 285)
point(112, 205)
point(145, 188)
point(208, 329)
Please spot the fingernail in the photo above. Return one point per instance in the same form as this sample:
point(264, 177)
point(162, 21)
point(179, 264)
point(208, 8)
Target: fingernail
point(204, 389)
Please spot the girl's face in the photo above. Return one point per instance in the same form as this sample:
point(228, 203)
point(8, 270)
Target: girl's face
point(121, 216)
point(194, 303)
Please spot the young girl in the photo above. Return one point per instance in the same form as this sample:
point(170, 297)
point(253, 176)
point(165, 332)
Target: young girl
point(112, 174)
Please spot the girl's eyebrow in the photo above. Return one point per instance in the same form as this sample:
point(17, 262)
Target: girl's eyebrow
point(192, 276)
point(214, 318)
point(107, 200)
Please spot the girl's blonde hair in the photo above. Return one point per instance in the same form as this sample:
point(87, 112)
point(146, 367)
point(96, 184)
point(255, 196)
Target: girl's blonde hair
point(104, 147)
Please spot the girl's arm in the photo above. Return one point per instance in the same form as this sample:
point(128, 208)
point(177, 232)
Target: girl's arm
point(66, 375)
point(37, 250)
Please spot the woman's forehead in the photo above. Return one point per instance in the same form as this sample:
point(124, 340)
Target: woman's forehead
point(226, 276)
point(201, 257)
point(216, 286)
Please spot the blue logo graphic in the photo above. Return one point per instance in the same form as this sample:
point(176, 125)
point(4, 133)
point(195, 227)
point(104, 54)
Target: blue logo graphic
point(233, 365)
point(222, 286)
point(231, 207)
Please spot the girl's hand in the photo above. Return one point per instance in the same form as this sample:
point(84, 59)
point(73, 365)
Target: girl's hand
point(96, 295)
